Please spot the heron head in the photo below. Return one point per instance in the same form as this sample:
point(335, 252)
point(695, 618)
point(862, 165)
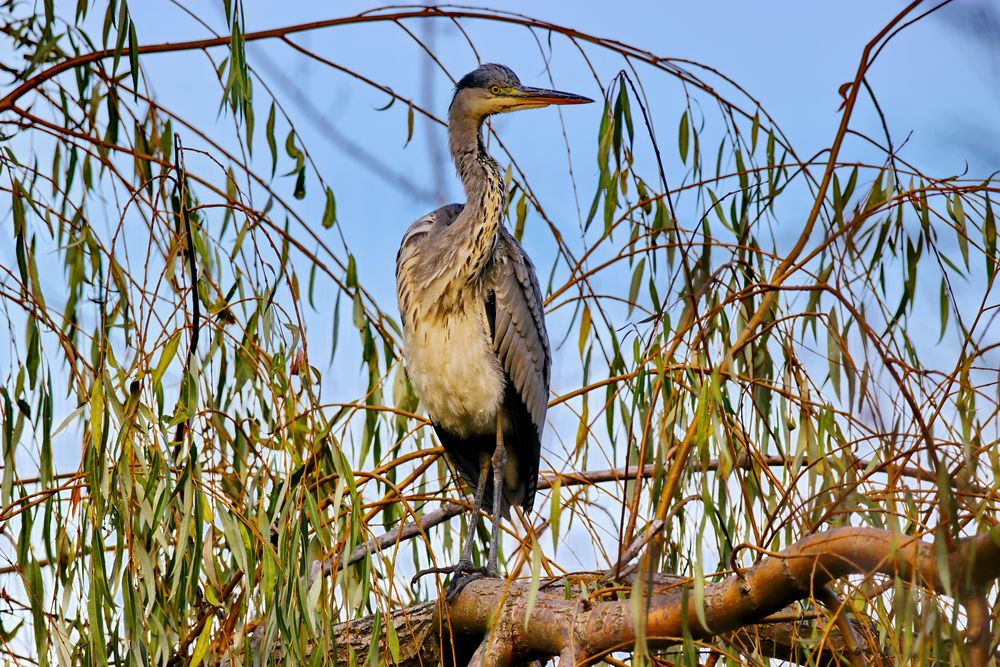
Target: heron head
point(493, 88)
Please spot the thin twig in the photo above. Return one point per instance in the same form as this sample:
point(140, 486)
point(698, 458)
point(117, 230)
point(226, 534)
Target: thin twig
point(839, 609)
point(184, 224)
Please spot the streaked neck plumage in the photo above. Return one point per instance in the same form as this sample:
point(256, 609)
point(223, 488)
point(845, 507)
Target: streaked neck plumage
point(482, 216)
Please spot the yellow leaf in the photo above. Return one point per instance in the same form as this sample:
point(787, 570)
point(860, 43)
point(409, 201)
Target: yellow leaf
point(97, 411)
point(536, 571)
point(201, 648)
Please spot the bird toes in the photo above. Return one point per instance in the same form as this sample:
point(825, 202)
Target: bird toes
point(430, 570)
point(462, 574)
point(460, 580)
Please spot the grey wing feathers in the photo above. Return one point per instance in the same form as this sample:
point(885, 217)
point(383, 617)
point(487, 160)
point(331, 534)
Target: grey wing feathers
point(522, 346)
point(519, 340)
point(414, 244)
point(519, 336)
point(422, 226)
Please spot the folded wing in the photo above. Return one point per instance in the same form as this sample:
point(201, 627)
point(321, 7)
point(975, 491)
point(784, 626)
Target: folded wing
point(522, 345)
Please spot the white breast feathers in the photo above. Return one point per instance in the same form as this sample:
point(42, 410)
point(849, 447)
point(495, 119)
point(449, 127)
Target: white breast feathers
point(455, 371)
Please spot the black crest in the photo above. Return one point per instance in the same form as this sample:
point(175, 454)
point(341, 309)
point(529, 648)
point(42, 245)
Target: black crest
point(488, 75)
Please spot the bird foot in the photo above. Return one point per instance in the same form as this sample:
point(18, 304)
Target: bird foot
point(430, 570)
point(462, 573)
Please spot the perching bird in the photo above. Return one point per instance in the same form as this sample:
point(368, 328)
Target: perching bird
point(473, 327)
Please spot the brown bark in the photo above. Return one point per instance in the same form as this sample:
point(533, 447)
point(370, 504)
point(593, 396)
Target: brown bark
point(584, 629)
point(423, 640)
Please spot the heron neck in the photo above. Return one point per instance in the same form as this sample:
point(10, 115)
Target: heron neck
point(484, 189)
point(479, 172)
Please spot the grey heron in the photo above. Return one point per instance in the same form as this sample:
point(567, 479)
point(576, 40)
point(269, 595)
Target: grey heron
point(473, 328)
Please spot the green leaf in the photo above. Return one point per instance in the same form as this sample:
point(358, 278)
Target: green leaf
point(33, 351)
point(330, 210)
point(97, 638)
point(122, 23)
point(838, 201)
point(682, 137)
point(294, 152)
point(585, 323)
point(351, 278)
point(392, 639)
point(610, 202)
point(204, 641)
point(271, 143)
point(945, 309)
point(234, 539)
point(8, 635)
point(633, 291)
point(616, 135)
point(300, 184)
point(521, 214)
point(373, 656)
point(990, 240)
point(409, 125)
point(604, 142)
point(741, 171)
point(555, 509)
point(961, 231)
point(32, 578)
point(113, 117)
point(168, 354)
point(833, 350)
point(133, 54)
point(360, 320)
point(849, 189)
point(96, 404)
point(877, 195)
point(698, 588)
point(18, 210)
point(536, 571)
point(627, 113)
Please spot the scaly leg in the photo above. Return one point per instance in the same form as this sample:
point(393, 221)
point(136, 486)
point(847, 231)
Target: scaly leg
point(464, 564)
point(499, 461)
point(465, 561)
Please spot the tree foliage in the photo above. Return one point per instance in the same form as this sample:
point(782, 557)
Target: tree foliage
point(756, 348)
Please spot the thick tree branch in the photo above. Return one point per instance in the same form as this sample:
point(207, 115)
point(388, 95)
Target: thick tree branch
point(587, 629)
point(425, 640)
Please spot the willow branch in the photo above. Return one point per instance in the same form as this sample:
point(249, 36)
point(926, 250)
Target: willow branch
point(741, 599)
point(452, 508)
point(588, 629)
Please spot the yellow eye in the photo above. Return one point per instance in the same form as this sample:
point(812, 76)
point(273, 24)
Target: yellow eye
point(495, 90)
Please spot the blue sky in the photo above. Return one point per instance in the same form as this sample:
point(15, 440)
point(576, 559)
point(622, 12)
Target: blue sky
point(936, 83)
point(932, 82)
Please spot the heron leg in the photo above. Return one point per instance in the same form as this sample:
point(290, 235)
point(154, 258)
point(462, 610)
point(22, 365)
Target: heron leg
point(464, 564)
point(466, 557)
point(499, 461)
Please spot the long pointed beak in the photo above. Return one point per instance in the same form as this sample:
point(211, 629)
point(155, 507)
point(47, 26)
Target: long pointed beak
point(543, 96)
